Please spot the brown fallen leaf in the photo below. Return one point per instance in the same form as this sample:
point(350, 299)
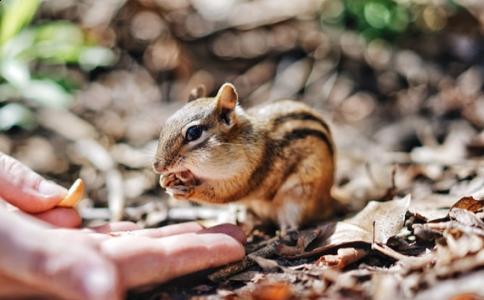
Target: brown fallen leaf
point(273, 291)
point(470, 284)
point(268, 265)
point(466, 217)
point(469, 203)
point(344, 257)
point(466, 296)
point(385, 286)
point(306, 237)
point(377, 222)
point(387, 218)
point(246, 276)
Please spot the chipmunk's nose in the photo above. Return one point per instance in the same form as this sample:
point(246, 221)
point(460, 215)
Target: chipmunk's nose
point(159, 167)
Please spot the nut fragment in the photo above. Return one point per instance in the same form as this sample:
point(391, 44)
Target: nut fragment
point(185, 176)
point(74, 194)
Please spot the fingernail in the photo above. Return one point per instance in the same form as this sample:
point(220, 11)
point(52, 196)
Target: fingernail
point(228, 229)
point(49, 189)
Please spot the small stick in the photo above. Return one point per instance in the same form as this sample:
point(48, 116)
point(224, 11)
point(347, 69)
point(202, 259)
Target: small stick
point(266, 251)
point(114, 184)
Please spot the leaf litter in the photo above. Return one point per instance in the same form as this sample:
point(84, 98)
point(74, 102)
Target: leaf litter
point(407, 118)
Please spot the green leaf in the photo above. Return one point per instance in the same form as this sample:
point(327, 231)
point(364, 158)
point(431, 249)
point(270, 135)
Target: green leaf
point(15, 72)
point(15, 114)
point(377, 15)
point(14, 47)
point(7, 92)
point(47, 93)
point(399, 19)
point(61, 42)
point(92, 57)
point(15, 14)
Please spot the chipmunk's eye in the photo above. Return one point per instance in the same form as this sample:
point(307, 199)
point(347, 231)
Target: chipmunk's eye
point(193, 133)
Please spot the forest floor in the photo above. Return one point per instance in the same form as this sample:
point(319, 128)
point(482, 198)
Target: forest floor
point(407, 116)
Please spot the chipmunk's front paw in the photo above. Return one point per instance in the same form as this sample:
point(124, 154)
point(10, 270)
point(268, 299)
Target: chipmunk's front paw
point(168, 180)
point(179, 185)
point(180, 192)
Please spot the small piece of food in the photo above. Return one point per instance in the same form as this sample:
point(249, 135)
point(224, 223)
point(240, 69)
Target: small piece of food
point(168, 180)
point(186, 177)
point(75, 193)
point(183, 178)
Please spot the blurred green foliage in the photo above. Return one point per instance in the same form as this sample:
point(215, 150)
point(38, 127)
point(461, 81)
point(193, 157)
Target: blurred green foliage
point(23, 45)
point(387, 19)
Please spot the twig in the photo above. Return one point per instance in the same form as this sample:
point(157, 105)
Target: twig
point(247, 262)
point(442, 226)
point(114, 184)
point(384, 249)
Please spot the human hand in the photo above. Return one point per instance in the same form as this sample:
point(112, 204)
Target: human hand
point(31, 193)
point(98, 263)
point(103, 262)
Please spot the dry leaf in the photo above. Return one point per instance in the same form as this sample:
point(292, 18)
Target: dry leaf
point(466, 296)
point(274, 291)
point(306, 237)
point(344, 257)
point(388, 218)
point(469, 203)
point(268, 265)
point(466, 217)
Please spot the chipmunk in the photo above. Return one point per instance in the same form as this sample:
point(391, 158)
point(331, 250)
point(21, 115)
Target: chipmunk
point(277, 158)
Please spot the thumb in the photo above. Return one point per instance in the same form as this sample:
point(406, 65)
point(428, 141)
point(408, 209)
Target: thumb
point(25, 189)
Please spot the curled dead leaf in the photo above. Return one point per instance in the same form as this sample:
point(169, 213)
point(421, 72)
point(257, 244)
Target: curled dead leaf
point(469, 203)
point(377, 222)
point(268, 265)
point(344, 257)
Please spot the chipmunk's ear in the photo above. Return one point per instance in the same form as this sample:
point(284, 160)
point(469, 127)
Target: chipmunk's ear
point(227, 99)
point(197, 92)
point(227, 96)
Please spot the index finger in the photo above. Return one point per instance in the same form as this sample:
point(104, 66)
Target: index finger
point(25, 189)
point(144, 260)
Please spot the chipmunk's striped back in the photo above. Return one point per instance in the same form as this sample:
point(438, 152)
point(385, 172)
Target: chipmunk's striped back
point(278, 158)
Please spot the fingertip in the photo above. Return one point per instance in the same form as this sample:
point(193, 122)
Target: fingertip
point(61, 217)
point(40, 198)
point(228, 229)
point(25, 189)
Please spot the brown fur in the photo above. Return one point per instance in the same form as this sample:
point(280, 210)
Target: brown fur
point(277, 158)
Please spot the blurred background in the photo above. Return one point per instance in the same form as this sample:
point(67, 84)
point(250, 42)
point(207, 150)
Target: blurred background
point(85, 86)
